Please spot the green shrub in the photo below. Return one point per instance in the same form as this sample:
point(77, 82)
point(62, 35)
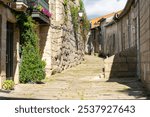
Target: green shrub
point(32, 68)
point(8, 85)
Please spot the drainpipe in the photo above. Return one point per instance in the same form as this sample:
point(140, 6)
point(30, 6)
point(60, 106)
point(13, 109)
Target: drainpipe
point(138, 44)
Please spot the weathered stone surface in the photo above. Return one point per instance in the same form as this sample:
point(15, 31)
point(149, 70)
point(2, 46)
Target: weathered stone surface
point(56, 70)
point(121, 65)
point(60, 45)
point(81, 82)
point(145, 41)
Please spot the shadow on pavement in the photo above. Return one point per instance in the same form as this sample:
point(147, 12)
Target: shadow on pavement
point(135, 89)
point(15, 98)
point(4, 91)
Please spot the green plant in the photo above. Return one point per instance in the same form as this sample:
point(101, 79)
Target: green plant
point(8, 85)
point(66, 11)
point(81, 5)
point(65, 3)
point(39, 8)
point(86, 24)
point(32, 68)
point(74, 15)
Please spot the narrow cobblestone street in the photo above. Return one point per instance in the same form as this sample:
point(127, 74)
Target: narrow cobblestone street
point(81, 82)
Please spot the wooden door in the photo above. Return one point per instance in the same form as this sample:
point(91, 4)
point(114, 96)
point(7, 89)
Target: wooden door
point(9, 51)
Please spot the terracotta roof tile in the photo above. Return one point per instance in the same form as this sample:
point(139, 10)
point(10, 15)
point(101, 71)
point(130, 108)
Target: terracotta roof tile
point(94, 22)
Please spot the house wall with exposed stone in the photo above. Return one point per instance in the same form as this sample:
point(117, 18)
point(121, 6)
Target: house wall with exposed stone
point(58, 45)
point(145, 41)
point(61, 50)
point(121, 45)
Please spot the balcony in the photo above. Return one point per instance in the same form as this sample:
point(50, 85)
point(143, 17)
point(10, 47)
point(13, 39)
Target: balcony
point(40, 10)
point(19, 5)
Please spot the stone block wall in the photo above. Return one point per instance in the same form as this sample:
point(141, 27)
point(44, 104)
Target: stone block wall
point(61, 50)
point(45, 47)
point(145, 41)
point(123, 64)
point(58, 45)
point(95, 41)
point(122, 34)
point(121, 45)
point(110, 39)
point(132, 57)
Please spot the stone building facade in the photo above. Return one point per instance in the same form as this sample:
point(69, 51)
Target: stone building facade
point(121, 43)
point(66, 49)
point(58, 45)
point(126, 42)
point(144, 11)
point(95, 41)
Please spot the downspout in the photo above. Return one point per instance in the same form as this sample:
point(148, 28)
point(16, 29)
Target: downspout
point(138, 44)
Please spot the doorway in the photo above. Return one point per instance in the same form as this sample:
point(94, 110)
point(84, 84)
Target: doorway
point(9, 51)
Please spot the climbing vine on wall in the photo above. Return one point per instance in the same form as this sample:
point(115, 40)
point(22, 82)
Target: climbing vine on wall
point(74, 15)
point(32, 67)
point(66, 10)
point(85, 23)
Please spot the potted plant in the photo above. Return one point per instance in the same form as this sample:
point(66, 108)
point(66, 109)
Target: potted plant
point(8, 85)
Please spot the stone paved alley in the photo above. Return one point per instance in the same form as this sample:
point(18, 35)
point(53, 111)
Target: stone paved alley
point(81, 82)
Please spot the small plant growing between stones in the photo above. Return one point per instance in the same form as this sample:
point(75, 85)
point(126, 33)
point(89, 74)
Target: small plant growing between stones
point(66, 10)
point(74, 15)
point(85, 21)
point(65, 3)
point(8, 85)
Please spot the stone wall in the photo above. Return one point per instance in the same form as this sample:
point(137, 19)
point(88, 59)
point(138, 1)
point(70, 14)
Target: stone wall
point(121, 45)
point(130, 50)
point(123, 64)
point(58, 45)
point(145, 41)
point(61, 49)
point(110, 39)
point(102, 37)
point(121, 34)
point(93, 41)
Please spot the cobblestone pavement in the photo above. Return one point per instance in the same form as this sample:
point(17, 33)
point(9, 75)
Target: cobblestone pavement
point(81, 82)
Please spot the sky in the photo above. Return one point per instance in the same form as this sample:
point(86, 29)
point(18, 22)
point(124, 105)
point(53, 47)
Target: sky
point(97, 8)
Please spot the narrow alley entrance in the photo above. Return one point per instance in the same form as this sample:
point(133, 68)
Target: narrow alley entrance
point(80, 82)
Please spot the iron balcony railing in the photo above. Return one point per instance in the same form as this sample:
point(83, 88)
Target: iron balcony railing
point(39, 10)
point(37, 3)
point(44, 3)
